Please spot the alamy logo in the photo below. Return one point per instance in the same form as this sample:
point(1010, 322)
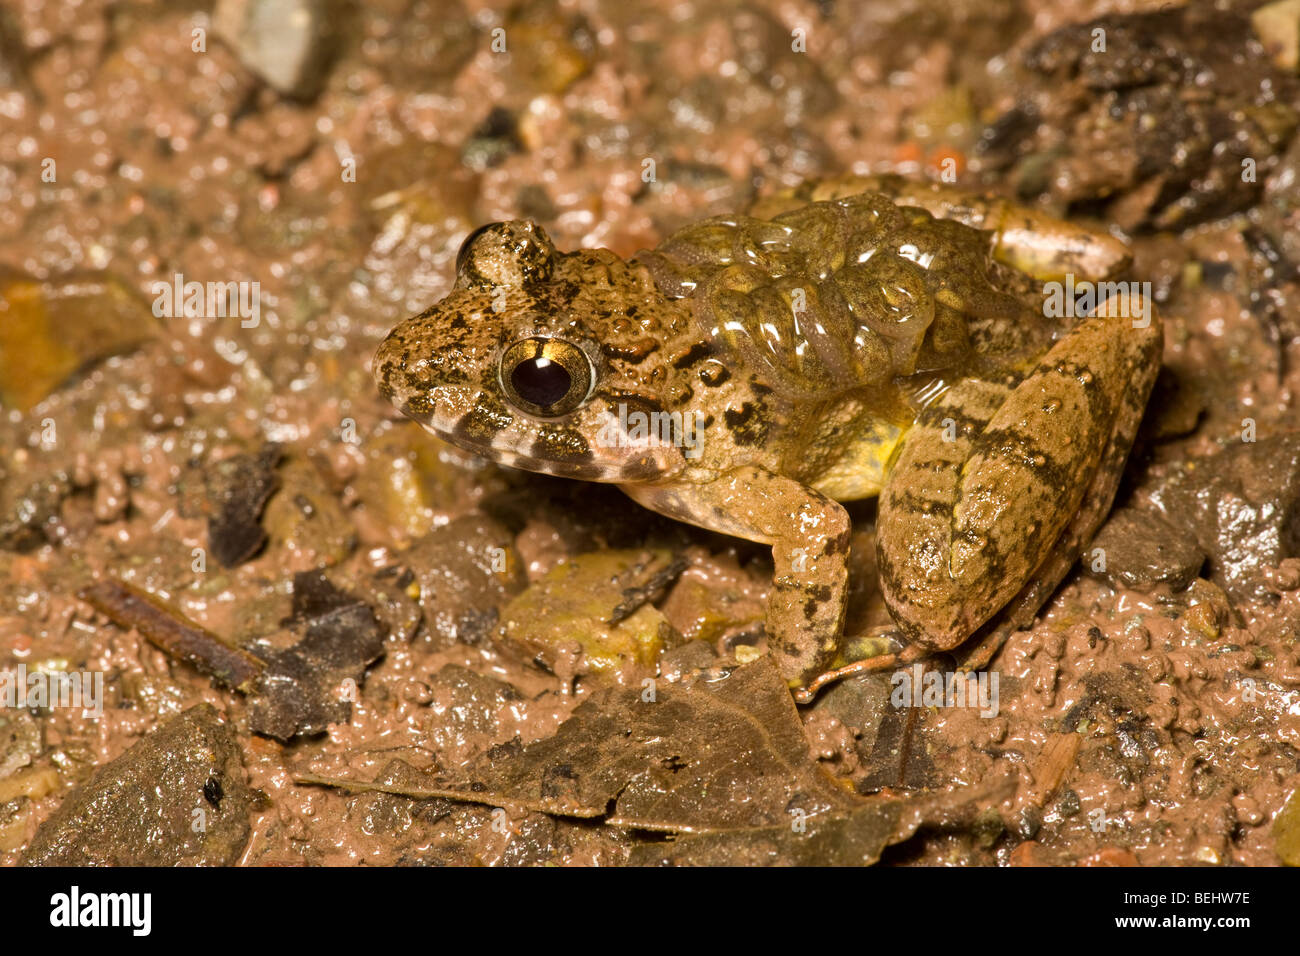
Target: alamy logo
point(82, 690)
point(208, 300)
point(1078, 299)
point(918, 687)
point(638, 429)
point(75, 908)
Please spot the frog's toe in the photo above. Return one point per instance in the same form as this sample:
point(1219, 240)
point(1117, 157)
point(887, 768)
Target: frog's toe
point(882, 649)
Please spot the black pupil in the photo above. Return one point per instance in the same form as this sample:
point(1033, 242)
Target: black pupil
point(540, 381)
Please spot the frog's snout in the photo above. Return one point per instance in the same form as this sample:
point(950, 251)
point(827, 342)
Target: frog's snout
point(388, 367)
point(404, 380)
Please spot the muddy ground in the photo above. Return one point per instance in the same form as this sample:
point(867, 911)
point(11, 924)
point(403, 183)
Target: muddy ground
point(325, 638)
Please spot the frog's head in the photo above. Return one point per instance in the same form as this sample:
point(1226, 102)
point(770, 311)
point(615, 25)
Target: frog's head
point(545, 361)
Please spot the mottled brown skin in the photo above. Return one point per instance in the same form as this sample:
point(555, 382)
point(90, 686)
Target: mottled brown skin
point(851, 339)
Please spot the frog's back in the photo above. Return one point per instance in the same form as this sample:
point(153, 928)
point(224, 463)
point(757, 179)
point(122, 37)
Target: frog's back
point(853, 292)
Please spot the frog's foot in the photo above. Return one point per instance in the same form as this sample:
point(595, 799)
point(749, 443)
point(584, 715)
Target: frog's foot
point(882, 649)
point(809, 534)
point(996, 489)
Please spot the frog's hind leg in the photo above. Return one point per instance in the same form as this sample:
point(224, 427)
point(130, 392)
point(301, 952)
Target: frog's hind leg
point(1078, 534)
point(996, 489)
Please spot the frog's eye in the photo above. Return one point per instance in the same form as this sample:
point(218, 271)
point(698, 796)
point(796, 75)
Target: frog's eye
point(514, 254)
point(546, 377)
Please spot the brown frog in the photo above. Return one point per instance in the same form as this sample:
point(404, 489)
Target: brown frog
point(853, 338)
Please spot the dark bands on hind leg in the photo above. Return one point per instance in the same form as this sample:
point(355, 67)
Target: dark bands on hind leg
point(1092, 511)
point(992, 513)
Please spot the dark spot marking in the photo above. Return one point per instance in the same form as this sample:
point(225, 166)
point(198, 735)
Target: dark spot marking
point(911, 503)
point(561, 445)
point(838, 544)
point(634, 353)
point(635, 401)
point(481, 424)
point(713, 374)
point(748, 426)
point(696, 353)
point(640, 469)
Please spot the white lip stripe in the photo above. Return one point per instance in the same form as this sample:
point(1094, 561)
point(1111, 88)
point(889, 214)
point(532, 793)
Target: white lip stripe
point(502, 447)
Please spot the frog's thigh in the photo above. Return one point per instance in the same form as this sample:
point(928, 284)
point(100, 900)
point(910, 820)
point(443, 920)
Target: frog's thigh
point(1096, 501)
point(809, 534)
point(964, 525)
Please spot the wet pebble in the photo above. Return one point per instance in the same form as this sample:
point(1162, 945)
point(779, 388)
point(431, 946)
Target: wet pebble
point(576, 617)
point(466, 710)
point(50, 331)
point(1138, 549)
point(138, 810)
point(29, 510)
point(288, 43)
point(1243, 507)
point(465, 571)
point(1278, 27)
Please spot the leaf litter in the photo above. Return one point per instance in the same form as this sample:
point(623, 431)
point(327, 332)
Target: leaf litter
point(721, 766)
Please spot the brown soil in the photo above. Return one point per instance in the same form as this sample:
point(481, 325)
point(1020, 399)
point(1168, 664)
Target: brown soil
point(1152, 714)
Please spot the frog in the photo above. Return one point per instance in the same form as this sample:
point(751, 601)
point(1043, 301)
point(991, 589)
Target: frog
point(848, 339)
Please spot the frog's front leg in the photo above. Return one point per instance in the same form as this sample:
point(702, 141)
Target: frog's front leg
point(809, 534)
point(994, 484)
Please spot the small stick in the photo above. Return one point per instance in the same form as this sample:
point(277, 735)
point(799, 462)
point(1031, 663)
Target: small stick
point(1059, 753)
point(173, 633)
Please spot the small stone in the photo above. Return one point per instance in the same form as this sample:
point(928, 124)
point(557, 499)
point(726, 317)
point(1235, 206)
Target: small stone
point(466, 710)
point(20, 741)
point(573, 608)
point(305, 518)
point(537, 841)
point(466, 570)
point(1243, 508)
point(288, 43)
point(1286, 831)
point(860, 703)
point(549, 47)
point(238, 488)
point(410, 482)
point(1278, 27)
point(1141, 550)
point(690, 658)
point(29, 511)
point(143, 808)
point(50, 331)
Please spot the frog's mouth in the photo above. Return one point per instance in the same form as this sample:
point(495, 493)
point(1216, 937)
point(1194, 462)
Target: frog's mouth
point(481, 424)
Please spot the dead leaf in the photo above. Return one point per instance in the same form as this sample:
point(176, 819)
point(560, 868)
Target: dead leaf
point(710, 757)
point(299, 691)
point(724, 766)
